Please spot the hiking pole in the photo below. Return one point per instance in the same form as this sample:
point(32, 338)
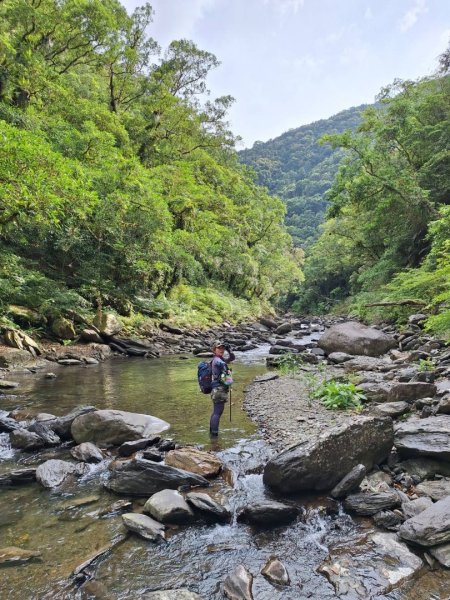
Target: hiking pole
point(230, 405)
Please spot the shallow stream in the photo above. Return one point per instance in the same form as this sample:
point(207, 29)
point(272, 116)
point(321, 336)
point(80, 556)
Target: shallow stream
point(66, 526)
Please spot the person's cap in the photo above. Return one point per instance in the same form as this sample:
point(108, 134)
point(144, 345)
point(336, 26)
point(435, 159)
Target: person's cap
point(217, 344)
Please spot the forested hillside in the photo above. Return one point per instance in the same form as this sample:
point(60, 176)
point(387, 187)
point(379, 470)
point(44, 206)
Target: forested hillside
point(384, 250)
point(120, 185)
point(300, 169)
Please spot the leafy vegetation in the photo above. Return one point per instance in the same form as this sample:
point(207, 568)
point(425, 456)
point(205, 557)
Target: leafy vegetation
point(384, 249)
point(340, 395)
point(300, 169)
point(120, 187)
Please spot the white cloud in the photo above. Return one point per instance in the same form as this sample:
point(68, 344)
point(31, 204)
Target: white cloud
point(409, 19)
point(286, 6)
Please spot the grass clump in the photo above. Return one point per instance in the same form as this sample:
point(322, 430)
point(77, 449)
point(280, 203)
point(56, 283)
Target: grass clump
point(340, 395)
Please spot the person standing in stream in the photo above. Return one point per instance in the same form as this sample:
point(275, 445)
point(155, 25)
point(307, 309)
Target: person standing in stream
point(221, 381)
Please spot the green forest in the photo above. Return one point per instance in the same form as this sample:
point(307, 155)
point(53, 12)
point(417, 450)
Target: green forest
point(120, 183)
point(121, 186)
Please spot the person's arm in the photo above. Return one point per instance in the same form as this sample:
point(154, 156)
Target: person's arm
point(231, 355)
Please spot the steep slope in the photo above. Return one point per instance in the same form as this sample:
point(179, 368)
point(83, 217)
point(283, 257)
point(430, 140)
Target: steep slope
point(300, 170)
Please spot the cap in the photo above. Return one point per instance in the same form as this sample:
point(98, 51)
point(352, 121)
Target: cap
point(217, 343)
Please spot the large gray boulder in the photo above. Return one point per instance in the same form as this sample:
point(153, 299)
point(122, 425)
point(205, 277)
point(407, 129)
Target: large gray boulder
point(115, 427)
point(54, 471)
point(369, 503)
point(429, 528)
point(144, 526)
point(169, 506)
point(61, 425)
point(357, 339)
point(424, 437)
point(320, 465)
point(267, 513)
point(108, 324)
point(139, 477)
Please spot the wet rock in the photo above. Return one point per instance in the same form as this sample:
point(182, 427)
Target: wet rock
point(139, 477)
point(409, 392)
point(180, 594)
point(129, 448)
point(169, 506)
point(361, 571)
point(61, 425)
point(415, 507)
point(431, 527)
point(238, 585)
point(87, 452)
point(54, 471)
point(26, 440)
point(12, 357)
point(7, 425)
point(267, 513)
point(90, 361)
point(115, 507)
point(442, 554)
point(195, 461)
point(13, 555)
point(388, 519)
point(69, 362)
point(427, 437)
point(166, 445)
point(350, 482)
point(153, 455)
point(436, 490)
point(275, 571)
point(108, 324)
point(356, 339)
point(204, 503)
point(281, 350)
point(417, 319)
point(49, 437)
point(8, 385)
point(115, 427)
point(144, 526)
point(270, 323)
point(369, 503)
point(18, 476)
point(320, 465)
point(390, 409)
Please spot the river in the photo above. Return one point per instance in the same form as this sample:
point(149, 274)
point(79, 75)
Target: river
point(66, 524)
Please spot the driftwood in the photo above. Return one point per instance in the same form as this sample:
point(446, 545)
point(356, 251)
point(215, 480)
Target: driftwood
point(397, 303)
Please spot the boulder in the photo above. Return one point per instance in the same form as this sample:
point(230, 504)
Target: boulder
point(108, 324)
point(180, 594)
point(425, 468)
point(25, 440)
point(7, 424)
point(115, 427)
point(267, 513)
point(49, 437)
point(195, 461)
point(169, 506)
point(275, 571)
point(415, 507)
point(350, 482)
point(18, 476)
point(61, 425)
point(339, 357)
point(424, 437)
point(442, 554)
point(283, 328)
point(8, 385)
point(369, 503)
point(87, 452)
point(390, 409)
point(139, 477)
point(12, 357)
point(209, 507)
point(375, 391)
point(409, 392)
point(429, 528)
point(90, 335)
point(54, 471)
point(22, 341)
point(64, 329)
point(144, 526)
point(270, 323)
point(444, 405)
point(129, 448)
point(321, 464)
point(238, 585)
point(361, 570)
point(357, 339)
point(436, 490)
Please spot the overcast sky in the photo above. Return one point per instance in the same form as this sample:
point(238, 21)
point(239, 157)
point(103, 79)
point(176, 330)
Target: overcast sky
point(290, 62)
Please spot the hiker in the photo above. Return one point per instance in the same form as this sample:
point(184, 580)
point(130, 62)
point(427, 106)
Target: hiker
point(220, 382)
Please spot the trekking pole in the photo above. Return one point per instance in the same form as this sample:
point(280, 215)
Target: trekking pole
point(230, 405)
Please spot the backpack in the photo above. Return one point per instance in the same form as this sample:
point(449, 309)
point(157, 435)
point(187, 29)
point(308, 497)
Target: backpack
point(204, 376)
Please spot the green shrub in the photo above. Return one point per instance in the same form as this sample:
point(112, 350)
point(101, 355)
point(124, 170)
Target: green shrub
point(340, 395)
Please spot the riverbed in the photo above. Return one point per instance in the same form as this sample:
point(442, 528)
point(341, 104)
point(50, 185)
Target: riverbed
point(67, 526)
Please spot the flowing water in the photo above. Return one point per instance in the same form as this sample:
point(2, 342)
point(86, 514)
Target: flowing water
point(67, 527)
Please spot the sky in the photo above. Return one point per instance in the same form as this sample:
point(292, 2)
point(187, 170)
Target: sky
point(288, 63)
